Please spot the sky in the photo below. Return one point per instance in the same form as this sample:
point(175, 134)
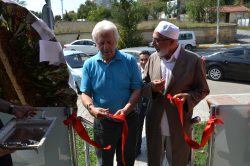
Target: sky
point(69, 5)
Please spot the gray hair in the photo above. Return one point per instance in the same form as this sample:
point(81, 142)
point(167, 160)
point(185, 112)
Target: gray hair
point(104, 26)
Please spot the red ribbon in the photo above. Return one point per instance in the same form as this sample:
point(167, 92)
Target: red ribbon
point(84, 135)
point(207, 131)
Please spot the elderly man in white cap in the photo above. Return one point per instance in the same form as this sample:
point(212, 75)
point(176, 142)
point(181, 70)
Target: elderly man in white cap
point(180, 73)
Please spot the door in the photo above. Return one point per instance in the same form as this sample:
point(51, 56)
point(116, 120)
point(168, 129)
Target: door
point(79, 46)
point(227, 17)
point(92, 48)
point(235, 64)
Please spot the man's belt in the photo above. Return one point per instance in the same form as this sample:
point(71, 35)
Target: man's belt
point(130, 114)
point(144, 104)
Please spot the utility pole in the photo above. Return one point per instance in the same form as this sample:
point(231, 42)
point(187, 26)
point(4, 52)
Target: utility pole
point(62, 8)
point(50, 14)
point(218, 21)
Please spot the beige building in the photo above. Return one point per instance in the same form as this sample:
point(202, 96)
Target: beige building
point(230, 13)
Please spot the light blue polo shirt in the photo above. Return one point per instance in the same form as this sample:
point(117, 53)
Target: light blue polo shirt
point(111, 83)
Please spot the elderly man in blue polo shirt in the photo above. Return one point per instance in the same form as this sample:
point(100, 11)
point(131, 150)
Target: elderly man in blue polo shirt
point(111, 83)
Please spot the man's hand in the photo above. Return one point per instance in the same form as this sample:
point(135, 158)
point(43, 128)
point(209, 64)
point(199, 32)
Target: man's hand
point(119, 112)
point(5, 151)
point(180, 96)
point(158, 85)
point(99, 113)
point(23, 111)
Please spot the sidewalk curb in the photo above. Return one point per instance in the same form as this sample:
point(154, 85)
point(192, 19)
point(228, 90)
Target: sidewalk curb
point(218, 46)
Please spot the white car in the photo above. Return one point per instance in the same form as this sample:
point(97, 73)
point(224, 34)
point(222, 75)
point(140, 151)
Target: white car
point(186, 39)
point(135, 51)
point(87, 46)
point(75, 61)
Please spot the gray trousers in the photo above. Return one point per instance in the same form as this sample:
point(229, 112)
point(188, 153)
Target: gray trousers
point(166, 149)
point(110, 133)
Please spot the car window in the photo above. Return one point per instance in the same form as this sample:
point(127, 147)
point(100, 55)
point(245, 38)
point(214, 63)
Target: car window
point(76, 43)
point(187, 36)
point(82, 42)
point(235, 54)
point(74, 61)
point(90, 43)
point(84, 56)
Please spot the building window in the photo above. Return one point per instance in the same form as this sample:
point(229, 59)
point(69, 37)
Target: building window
point(239, 16)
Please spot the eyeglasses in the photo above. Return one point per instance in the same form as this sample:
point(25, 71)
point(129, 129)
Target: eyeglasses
point(157, 41)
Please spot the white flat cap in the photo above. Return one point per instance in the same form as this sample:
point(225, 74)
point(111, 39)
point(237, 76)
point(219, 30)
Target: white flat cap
point(168, 29)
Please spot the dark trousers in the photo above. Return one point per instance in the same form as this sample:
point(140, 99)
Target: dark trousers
point(6, 159)
point(141, 117)
point(110, 133)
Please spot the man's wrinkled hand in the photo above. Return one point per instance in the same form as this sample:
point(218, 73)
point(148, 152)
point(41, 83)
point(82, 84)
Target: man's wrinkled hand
point(158, 85)
point(99, 113)
point(180, 96)
point(119, 112)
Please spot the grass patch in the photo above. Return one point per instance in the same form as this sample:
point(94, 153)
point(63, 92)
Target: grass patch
point(200, 155)
point(243, 28)
point(82, 26)
point(80, 146)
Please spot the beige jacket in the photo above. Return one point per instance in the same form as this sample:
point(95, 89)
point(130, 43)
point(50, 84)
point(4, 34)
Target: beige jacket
point(189, 77)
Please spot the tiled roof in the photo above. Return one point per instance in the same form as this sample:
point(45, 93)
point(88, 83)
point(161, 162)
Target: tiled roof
point(231, 8)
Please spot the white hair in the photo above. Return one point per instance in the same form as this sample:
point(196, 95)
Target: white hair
point(104, 26)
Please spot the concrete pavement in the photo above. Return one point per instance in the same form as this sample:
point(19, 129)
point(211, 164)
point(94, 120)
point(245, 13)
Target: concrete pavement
point(201, 110)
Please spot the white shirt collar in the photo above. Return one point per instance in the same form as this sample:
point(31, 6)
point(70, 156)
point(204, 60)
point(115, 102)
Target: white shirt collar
point(142, 70)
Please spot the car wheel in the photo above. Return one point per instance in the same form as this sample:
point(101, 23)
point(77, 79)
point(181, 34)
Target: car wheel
point(189, 47)
point(215, 73)
point(78, 89)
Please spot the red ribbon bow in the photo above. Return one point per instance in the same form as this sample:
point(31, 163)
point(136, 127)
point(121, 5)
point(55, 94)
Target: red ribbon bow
point(207, 131)
point(84, 135)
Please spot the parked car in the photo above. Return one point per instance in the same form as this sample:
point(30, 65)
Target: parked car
point(75, 61)
point(186, 39)
point(87, 46)
point(230, 63)
point(135, 51)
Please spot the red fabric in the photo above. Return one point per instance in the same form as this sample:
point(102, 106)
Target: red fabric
point(84, 135)
point(207, 131)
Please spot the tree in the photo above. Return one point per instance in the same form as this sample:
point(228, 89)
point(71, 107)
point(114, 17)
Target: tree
point(168, 9)
point(70, 16)
point(156, 7)
point(38, 14)
point(84, 9)
point(66, 16)
point(22, 2)
point(99, 14)
point(58, 18)
point(203, 10)
point(127, 14)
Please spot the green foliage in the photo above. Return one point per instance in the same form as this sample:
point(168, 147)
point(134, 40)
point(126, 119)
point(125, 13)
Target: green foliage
point(70, 16)
point(99, 14)
point(229, 2)
point(84, 9)
point(58, 18)
point(203, 10)
point(169, 8)
point(200, 155)
point(128, 14)
point(22, 2)
point(80, 146)
point(155, 7)
point(38, 14)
